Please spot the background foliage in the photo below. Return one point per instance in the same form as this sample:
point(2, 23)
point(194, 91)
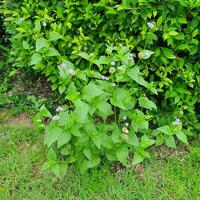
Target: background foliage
point(129, 71)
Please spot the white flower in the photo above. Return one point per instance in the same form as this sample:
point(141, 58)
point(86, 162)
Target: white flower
point(71, 72)
point(125, 130)
point(56, 117)
point(151, 25)
point(112, 70)
point(104, 78)
point(63, 65)
point(44, 24)
point(176, 122)
point(130, 57)
point(125, 118)
point(126, 124)
point(113, 84)
point(59, 108)
point(121, 68)
point(112, 63)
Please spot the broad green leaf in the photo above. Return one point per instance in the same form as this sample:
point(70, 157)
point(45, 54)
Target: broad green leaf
point(145, 54)
point(91, 90)
point(138, 158)
point(51, 155)
point(146, 142)
point(35, 58)
point(52, 52)
point(173, 33)
point(52, 135)
point(170, 142)
point(144, 102)
point(122, 154)
point(41, 43)
point(97, 140)
point(62, 89)
point(81, 111)
point(132, 139)
point(134, 73)
point(54, 36)
point(105, 109)
point(182, 137)
point(168, 53)
point(94, 161)
point(63, 138)
point(87, 152)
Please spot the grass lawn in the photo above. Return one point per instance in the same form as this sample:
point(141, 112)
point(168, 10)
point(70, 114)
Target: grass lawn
point(169, 175)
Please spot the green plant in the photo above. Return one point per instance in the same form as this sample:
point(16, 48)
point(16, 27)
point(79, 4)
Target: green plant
point(129, 71)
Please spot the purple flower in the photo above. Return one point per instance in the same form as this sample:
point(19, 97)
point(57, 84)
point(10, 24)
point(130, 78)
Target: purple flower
point(151, 25)
point(63, 65)
point(130, 57)
point(112, 63)
point(71, 72)
point(176, 122)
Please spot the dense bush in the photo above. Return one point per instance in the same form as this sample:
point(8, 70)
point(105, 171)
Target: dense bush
point(129, 70)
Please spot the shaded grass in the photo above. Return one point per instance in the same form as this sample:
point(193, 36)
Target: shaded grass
point(22, 155)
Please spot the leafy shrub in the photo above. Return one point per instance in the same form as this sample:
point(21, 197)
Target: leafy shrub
point(129, 71)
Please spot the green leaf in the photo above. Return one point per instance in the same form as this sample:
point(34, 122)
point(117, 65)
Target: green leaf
point(41, 43)
point(134, 73)
point(170, 142)
point(91, 90)
point(145, 54)
point(56, 169)
point(87, 153)
point(94, 161)
point(97, 140)
point(172, 33)
point(182, 137)
point(122, 154)
point(61, 89)
point(63, 138)
point(144, 102)
point(146, 142)
point(54, 36)
point(51, 155)
point(132, 139)
point(52, 135)
point(35, 58)
point(52, 52)
point(105, 109)
point(81, 111)
point(138, 158)
point(168, 53)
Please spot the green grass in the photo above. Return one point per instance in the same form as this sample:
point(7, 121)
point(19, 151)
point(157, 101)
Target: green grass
point(22, 155)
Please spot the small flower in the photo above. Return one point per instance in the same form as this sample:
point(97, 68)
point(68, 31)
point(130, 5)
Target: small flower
point(44, 24)
point(112, 70)
point(59, 108)
point(113, 84)
point(124, 137)
point(125, 118)
point(125, 130)
point(151, 25)
point(126, 124)
point(71, 72)
point(63, 65)
point(104, 78)
point(130, 57)
point(112, 63)
point(121, 68)
point(56, 117)
point(176, 122)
